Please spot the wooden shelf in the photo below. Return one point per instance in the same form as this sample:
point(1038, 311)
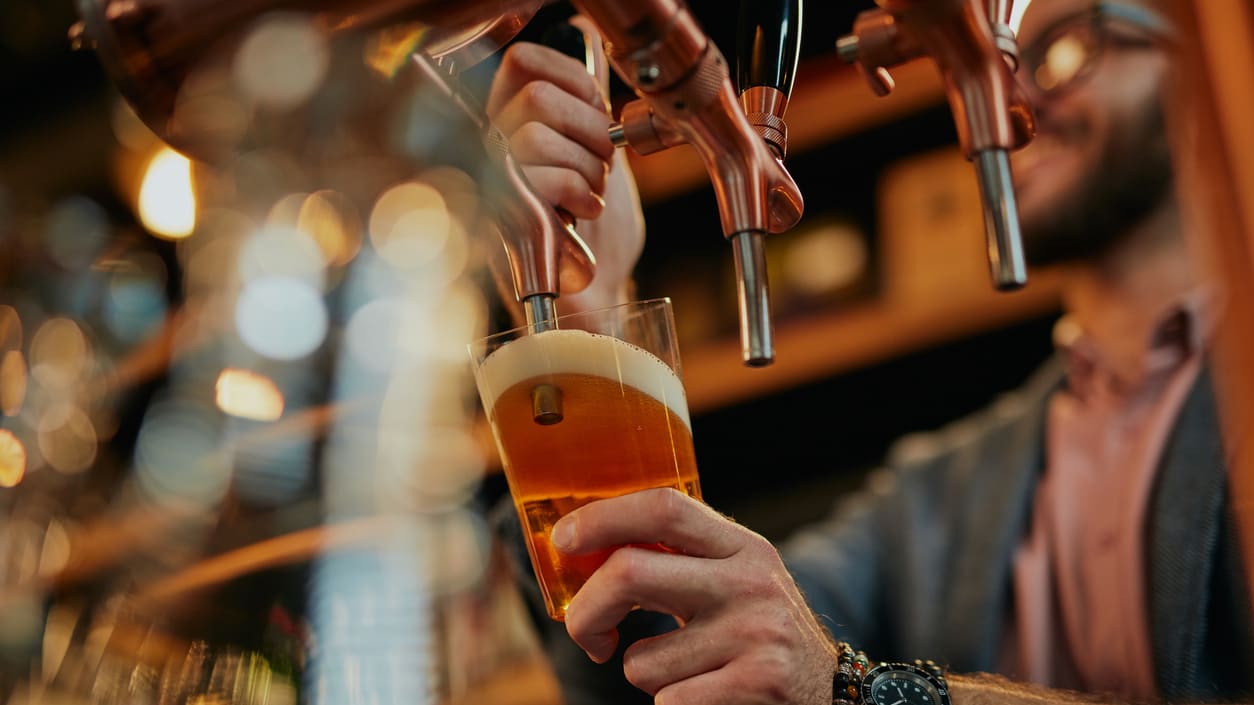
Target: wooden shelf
point(844, 340)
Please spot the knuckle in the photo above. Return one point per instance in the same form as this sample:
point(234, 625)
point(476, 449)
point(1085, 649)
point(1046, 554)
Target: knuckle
point(528, 138)
point(637, 671)
point(536, 96)
point(774, 677)
point(519, 59)
point(670, 507)
point(625, 566)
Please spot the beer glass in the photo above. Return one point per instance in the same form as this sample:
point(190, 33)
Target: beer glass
point(593, 409)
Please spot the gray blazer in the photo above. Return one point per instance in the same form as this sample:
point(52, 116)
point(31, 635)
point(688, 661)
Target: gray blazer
point(918, 564)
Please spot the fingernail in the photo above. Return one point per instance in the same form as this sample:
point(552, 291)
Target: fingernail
point(563, 536)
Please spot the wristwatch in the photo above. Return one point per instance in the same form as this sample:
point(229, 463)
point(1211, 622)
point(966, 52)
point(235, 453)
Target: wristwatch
point(857, 682)
point(919, 683)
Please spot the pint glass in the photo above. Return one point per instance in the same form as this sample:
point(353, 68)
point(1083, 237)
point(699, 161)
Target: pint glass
point(591, 410)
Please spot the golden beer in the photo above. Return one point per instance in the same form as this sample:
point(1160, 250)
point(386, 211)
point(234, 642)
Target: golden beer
point(624, 428)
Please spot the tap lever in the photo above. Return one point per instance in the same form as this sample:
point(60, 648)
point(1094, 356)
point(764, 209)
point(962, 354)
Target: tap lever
point(767, 51)
point(1006, 259)
point(769, 44)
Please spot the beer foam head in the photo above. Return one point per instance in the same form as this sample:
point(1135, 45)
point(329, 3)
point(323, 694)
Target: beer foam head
point(580, 352)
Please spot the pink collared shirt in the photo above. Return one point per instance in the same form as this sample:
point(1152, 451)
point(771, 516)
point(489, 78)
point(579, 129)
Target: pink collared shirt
point(1081, 618)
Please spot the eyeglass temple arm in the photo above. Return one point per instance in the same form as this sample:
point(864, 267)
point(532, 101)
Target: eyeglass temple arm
point(976, 54)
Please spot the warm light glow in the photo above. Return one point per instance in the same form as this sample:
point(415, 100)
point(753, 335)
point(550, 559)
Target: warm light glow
point(12, 382)
point(824, 259)
point(329, 218)
point(281, 61)
point(248, 395)
point(1063, 61)
point(67, 439)
point(410, 225)
point(167, 203)
point(10, 328)
point(58, 353)
point(12, 459)
point(279, 251)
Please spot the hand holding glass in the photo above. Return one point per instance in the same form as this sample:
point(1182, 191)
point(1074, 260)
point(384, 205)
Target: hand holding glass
point(591, 410)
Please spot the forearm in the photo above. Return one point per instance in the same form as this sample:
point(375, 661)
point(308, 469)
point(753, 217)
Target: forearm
point(988, 689)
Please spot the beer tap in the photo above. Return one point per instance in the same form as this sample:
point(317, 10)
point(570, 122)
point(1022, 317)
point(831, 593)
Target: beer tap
point(151, 46)
point(974, 47)
point(687, 97)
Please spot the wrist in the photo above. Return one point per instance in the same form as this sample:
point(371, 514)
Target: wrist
point(858, 681)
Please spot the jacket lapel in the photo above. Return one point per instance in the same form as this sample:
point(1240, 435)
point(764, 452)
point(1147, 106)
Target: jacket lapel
point(1005, 473)
point(1186, 519)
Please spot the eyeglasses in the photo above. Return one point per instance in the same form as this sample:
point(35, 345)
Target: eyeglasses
point(1069, 50)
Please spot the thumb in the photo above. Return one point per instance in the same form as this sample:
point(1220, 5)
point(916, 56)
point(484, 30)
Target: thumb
point(598, 65)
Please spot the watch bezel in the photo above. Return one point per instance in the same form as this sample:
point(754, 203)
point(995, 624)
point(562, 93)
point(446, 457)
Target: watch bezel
point(868, 680)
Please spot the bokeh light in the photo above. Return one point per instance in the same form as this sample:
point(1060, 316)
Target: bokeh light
point(281, 317)
point(167, 201)
point(282, 61)
point(276, 251)
point(332, 221)
point(77, 230)
point(248, 395)
point(58, 353)
point(178, 457)
point(409, 225)
point(371, 333)
point(12, 459)
point(10, 328)
point(825, 258)
point(55, 552)
point(67, 438)
point(135, 301)
point(459, 316)
point(12, 382)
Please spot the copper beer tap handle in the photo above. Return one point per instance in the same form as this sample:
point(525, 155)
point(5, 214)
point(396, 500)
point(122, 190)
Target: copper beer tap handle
point(688, 96)
point(973, 47)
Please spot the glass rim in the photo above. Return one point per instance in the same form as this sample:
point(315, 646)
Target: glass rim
point(664, 300)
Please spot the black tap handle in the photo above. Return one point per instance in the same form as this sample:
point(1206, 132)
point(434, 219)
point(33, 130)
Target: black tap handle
point(768, 44)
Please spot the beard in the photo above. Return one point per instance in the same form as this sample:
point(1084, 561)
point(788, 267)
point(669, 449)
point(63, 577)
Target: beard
point(1132, 177)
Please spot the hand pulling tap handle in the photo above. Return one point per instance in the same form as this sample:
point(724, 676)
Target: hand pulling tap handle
point(546, 256)
point(975, 50)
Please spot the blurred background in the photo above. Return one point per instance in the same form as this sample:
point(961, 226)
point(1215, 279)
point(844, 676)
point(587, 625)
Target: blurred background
point(174, 445)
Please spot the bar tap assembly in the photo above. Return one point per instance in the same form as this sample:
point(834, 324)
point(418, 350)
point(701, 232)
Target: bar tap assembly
point(687, 97)
point(974, 48)
point(656, 46)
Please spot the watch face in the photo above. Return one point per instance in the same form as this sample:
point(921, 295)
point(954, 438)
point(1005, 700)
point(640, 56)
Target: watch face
point(902, 684)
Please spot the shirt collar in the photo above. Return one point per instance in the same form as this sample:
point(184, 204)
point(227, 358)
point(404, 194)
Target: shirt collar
point(1144, 342)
